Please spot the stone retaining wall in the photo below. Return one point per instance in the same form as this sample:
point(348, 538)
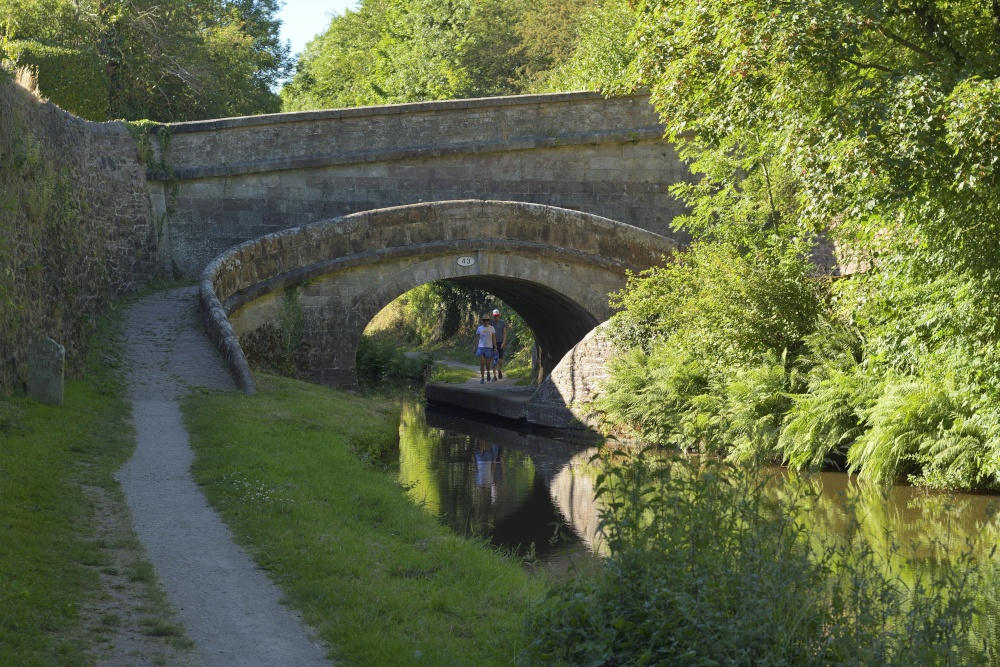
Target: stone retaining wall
point(76, 227)
point(560, 401)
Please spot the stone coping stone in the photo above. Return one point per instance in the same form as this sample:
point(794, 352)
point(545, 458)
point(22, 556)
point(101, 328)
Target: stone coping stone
point(378, 110)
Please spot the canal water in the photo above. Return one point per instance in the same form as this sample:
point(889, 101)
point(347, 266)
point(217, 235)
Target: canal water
point(533, 493)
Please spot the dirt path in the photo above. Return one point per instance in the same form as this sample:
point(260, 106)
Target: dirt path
point(227, 605)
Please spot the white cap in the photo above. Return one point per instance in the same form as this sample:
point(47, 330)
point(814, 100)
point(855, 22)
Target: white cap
point(496, 312)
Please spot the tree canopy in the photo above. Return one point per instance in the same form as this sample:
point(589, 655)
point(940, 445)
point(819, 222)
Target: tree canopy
point(390, 51)
point(161, 60)
point(874, 123)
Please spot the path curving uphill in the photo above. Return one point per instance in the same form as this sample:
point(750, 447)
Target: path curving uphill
point(228, 606)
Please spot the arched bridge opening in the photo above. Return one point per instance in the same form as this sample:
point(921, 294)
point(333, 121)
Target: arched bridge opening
point(554, 266)
point(557, 322)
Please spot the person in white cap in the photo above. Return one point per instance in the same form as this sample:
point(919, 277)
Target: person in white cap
point(500, 327)
point(484, 348)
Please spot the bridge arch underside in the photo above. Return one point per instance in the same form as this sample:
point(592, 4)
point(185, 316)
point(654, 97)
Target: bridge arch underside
point(561, 295)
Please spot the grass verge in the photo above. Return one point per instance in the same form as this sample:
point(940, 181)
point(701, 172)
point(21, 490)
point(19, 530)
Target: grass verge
point(452, 374)
point(381, 580)
point(66, 533)
point(46, 564)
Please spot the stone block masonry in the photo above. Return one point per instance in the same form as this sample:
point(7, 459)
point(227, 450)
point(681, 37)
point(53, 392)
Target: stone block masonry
point(235, 179)
point(76, 228)
point(561, 401)
point(554, 267)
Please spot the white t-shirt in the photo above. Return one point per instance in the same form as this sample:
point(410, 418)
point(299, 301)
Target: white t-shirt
point(485, 333)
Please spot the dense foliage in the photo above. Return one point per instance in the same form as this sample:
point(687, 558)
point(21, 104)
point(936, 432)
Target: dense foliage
point(390, 51)
point(708, 566)
point(158, 60)
point(873, 124)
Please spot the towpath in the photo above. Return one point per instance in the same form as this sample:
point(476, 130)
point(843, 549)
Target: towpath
point(228, 606)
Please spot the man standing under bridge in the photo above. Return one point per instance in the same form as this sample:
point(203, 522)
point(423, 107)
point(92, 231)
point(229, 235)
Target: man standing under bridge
point(500, 327)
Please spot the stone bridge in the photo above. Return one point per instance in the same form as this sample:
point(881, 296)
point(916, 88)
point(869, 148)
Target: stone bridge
point(215, 184)
point(312, 200)
point(553, 266)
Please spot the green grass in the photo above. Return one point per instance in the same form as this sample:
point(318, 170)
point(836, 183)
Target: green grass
point(452, 374)
point(519, 372)
point(381, 580)
point(46, 560)
point(56, 465)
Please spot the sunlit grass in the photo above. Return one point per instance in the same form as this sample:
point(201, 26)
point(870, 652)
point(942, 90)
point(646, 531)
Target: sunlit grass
point(452, 374)
point(48, 558)
point(382, 581)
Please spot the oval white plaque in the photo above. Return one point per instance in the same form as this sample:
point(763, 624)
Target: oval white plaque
point(466, 261)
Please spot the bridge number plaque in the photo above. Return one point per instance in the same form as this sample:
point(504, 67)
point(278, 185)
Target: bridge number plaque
point(466, 261)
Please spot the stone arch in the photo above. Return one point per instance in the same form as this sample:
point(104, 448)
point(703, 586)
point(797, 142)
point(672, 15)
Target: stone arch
point(555, 267)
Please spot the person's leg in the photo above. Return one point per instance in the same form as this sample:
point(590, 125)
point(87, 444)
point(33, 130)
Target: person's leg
point(500, 363)
point(482, 368)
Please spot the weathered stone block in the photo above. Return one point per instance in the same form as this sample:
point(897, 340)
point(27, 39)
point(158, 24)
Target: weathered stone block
point(46, 370)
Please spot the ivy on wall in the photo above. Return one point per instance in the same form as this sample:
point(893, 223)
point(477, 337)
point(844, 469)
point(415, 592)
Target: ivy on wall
point(73, 79)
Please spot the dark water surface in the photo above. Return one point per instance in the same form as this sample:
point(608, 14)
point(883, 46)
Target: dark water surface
point(534, 492)
point(523, 491)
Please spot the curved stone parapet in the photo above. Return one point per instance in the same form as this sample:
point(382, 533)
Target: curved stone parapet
point(559, 265)
point(220, 331)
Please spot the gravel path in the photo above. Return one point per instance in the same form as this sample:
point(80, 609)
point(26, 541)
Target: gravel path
point(228, 606)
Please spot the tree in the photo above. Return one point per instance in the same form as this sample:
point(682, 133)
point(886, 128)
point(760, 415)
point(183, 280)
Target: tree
point(408, 50)
point(877, 124)
point(166, 61)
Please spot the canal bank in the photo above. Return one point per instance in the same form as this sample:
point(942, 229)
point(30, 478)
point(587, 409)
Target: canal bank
point(545, 405)
point(500, 399)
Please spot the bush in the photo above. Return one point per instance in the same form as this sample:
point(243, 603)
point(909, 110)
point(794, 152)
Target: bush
point(380, 358)
point(722, 305)
point(824, 421)
point(710, 344)
point(708, 568)
point(73, 79)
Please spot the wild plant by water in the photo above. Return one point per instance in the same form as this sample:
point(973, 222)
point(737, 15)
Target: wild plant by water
point(708, 566)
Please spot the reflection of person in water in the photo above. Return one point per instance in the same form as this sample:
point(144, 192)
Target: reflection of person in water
point(489, 467)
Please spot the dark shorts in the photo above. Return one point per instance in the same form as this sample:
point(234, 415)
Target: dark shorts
point(499, 353)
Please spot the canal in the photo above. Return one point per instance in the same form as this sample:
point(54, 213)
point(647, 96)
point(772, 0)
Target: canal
point(533, 492)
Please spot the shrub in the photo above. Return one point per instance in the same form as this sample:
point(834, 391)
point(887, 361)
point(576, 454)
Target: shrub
point(380, 358)
point(823, 422)
point(708, 568)
point(720, 304)
point(71, 78)
point(929, 430)
point(756, 400)
point(653, 395)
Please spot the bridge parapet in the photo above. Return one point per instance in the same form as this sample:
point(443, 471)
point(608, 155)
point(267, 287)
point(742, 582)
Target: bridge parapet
point(307, 139)
point(235, 179)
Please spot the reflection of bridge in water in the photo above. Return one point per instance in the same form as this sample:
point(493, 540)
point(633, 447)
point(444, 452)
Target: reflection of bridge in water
point(511, 484)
